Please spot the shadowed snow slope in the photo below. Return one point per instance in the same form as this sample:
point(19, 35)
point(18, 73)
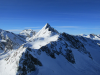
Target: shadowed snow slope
point(52, 53)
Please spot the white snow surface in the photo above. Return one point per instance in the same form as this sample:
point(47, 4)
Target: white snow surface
point(58, 66)
point(10, 67)
point(9, 61)
point(42, 41)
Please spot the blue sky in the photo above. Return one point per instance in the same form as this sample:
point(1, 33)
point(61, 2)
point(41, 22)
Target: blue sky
point(70, 16)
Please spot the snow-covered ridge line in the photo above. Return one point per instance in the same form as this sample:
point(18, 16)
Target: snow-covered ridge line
point(91, 36)
point(9, 41)
point(49, 52)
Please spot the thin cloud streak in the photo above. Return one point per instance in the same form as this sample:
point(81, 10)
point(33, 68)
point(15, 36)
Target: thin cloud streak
point(14, 30)
point(76, 27)
point(19, 30)
point(90, 28)
point(31, 27)
point(66, 26)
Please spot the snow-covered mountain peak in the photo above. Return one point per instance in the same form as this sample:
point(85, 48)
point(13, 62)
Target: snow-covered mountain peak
point(27, 33)
point(47, 26)
point(83, 35)
point(46, 32)
point(27, 30)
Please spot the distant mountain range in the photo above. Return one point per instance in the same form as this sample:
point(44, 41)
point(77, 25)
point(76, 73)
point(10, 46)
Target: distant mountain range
point(49, 52)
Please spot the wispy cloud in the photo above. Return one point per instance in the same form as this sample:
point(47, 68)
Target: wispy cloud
point(66, 26)
point(36, 30)
point(15, 30)
point(19, 30)
point(76, 27)
point(90, 28)
point(91, 15)
point(31, 27)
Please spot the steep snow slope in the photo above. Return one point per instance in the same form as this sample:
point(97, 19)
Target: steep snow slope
point(52, 53)
point(93, 46)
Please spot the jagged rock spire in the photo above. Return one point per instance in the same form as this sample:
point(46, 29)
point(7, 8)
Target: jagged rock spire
point(50, 28)
point(47, 26)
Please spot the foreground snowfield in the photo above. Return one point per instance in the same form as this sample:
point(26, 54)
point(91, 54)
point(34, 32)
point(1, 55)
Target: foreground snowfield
point(50, 53)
